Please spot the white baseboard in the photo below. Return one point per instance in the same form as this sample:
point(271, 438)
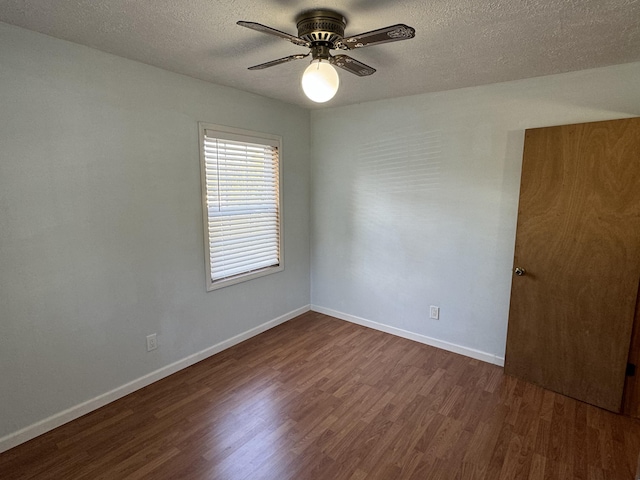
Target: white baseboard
point(43, 426)
point(434, 342)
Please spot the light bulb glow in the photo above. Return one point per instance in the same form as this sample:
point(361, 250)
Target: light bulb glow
point(320, 81)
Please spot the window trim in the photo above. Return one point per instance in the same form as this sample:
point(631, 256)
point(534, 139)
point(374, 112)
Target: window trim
point(247, 135)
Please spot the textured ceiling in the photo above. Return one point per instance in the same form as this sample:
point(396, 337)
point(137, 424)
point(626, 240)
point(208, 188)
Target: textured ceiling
point(458, 43)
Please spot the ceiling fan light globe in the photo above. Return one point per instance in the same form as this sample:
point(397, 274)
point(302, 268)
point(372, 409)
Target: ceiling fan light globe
point(320, 81)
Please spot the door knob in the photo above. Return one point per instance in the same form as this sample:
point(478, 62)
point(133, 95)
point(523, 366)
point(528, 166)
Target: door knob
point(520, 271)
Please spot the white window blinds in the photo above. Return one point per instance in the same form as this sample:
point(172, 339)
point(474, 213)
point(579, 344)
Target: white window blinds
point(242, 202)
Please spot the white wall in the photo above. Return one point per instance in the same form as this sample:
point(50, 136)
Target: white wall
point(414, 201)
point(101, 237)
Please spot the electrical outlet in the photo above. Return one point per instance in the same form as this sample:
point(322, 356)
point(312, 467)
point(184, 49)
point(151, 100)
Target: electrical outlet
point(434, 312)
point(152, 342)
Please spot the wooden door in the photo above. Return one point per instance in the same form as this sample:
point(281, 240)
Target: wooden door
point(578, 240)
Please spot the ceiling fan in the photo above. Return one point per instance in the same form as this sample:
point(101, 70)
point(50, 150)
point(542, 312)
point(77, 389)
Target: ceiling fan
point(322, 31)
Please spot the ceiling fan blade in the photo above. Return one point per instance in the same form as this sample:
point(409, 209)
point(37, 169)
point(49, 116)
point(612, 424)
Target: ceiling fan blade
point(392, 33)
point(272, 31)
point(352, 65)
point(278, 62)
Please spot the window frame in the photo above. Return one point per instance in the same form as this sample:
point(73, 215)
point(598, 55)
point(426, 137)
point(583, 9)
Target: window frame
point(233, 133)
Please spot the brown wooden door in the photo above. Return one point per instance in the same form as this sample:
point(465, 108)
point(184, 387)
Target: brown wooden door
point(578, 239)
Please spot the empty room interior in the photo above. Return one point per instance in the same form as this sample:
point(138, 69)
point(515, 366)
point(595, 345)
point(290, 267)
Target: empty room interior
point(424, 265)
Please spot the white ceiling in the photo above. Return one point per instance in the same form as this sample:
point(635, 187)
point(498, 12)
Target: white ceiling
point(458, 43)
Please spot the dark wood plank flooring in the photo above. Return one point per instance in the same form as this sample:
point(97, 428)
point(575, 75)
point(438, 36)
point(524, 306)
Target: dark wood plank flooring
point(319, 398)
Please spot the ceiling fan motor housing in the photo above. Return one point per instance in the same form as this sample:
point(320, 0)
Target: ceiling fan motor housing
point(322, 28)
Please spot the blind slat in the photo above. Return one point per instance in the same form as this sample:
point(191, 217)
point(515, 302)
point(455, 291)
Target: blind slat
point(242, 249)
point(230, 273)
point(265, 238)
point(242, 228)
point(237, 260)
point(249, 262)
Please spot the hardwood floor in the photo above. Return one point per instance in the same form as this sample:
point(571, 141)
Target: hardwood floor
point(319, 398)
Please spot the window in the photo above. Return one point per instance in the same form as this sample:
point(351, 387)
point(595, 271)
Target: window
point(241, 204)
